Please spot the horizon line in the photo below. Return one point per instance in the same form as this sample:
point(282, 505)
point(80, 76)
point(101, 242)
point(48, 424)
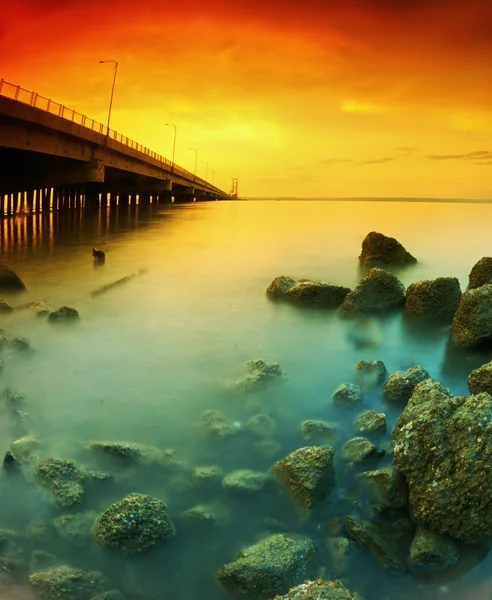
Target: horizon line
point(383, 198)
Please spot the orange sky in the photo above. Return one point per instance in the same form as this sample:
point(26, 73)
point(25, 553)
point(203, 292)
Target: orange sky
point(312, 98)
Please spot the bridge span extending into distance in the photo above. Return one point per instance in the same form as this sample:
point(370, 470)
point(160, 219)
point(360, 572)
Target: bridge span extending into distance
point(53, 157)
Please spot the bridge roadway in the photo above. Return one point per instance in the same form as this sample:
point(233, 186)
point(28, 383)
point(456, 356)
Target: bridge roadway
point(62, 158)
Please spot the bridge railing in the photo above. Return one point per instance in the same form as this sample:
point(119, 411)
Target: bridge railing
point(19, 94)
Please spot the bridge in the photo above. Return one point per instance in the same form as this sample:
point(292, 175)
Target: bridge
point(52, 157)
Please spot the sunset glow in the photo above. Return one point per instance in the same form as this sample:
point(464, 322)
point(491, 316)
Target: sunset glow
point(312, 99)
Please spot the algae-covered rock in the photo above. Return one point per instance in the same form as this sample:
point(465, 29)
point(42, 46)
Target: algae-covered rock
point(109, 595)
point(443, 447)
point(381, 545)
point(347, 394)
point(207, 476)
point(64, 479)
point(219, 425)
point(359, 449)
point(401, 384)
point(21, 344)
point(259, 373)
point(480, 380)
point(436, 299)
point(308, 474)
point(341, 552)
point(245, 481)
point(75, 528)
point(318, 294)
point(320, 590)
point(66, 583)
point(432, 551)
point(121, 450)
point(370, 421)
point(9, 280)
point(379, 249)
point(378, 290)
point(316, 430)
point(472, 322)
point(370, 373)
point(64, 313)
point(133, 524)
point(199, 516)
point(386, 487)
point(279, 287)
point(41, 560)
point(481, 273)
point(271, 566)
point(262, 425)
point(24, 447)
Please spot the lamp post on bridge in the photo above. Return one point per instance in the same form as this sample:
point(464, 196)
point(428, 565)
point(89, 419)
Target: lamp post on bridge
point(115, 68)
point(174, 142)
point(206, 170)
point(196, 158)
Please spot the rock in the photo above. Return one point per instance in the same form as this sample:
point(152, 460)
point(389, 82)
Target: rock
point(481, 273)
point(279, 287)
point(40, 309)
point(436, 299)
point(9, 461)
point(75, 528)
point(122, 450)
point(370, 373)
point(370, 421)
point(133, 525)
point(401, 384)
point(320, 590)
point(66, 583)
point(318, 430)
point(200, 516)
point(317, 293)
point(5, 307)
point(262, 425)
point(347, 394)
point(39, 530)
point(9, 280)
point(41, 560)
point(359, 449)
point(308, 474)
point(269, 567)
point(245, 481)
point(443, 447)
point(341, 553)
point(386, 487)
point(24, 447)
point(379, 249)
point(267, 448)
point(259, 373)
point(381, 545)
point(64, 313)
point(472, 322)
point(207, 476)
point(110, 595)
point(480, 380)
point(64, 479)
point(218, 425)
point(378, 290)
point(432, 551)
point(21, 344)
point(15, 400)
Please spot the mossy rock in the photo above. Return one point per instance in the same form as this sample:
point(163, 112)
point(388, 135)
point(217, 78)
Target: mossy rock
point(64, 479)
point(380, 544)
point(347, 394)
point(480, 380)
point(481, 273)
point(472, 322)
point(9, 280)
point(318, 294)
point(67, 583)
point(64, 313)
point(379, 249)
point(359, 449)
point(436, 299)
point(370, 373)
point(317, 430)
point(279, 287)
point(370, 421)
point(377, 291)
point(431, 551)
point(401, 384)
point(245, 481)
point(320, 590)
point(262, 425)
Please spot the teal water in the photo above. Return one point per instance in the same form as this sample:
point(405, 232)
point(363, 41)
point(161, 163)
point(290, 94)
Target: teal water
point(149, 357)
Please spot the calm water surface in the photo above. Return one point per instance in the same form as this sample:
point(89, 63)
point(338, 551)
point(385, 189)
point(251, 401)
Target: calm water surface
point(149, 357)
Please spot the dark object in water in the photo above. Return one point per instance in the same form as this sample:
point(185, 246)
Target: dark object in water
point(9, 461)
point(99, 254)
point(109, 286)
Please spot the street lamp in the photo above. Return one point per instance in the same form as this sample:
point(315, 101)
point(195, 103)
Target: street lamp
point(174, 142)
point(196, 158)
point(115, 68)
point(206, 170)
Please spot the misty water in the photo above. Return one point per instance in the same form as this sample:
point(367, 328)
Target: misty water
point(149, 357)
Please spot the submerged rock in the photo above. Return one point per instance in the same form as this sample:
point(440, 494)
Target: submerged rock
point(436, 299)
point(64, 313)
point(75, 528)
point(279, 287)
point(386, 487)
point(64, 479)
point(317, 293)
point(359, 449)
point(318, 430)
point(271, 566)
point(431, 551)
point(41, 560)
point(259, 373)
point(267, 448)
point(378, 290)
point(9, 280)
point(262, 425)
point(66, 583)
point(40, 309)
point(370, 373)
point(443, 447)
point(370, 421)
point(21, 344)
point(341, 553)
point(245, 481)
point(308, 474)
point(480, 380)
point(133, 525)
point(5, 307)
point(207, 476)
point(24, 447)
point(320, 590)
point(379, 249)
point(472, 323)
point(401, 384)
point(110, 595)
point(481, 273)
point(121, 450)
point(381, 545)
point(347, 394)
point(218, 425)
point(199, 516)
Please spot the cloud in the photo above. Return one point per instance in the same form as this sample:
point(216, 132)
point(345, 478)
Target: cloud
point(376, 161)
point(331, 161)
point(479, 155)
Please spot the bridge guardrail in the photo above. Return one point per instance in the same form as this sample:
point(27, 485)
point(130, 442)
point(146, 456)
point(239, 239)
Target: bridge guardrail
point(19, 94)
